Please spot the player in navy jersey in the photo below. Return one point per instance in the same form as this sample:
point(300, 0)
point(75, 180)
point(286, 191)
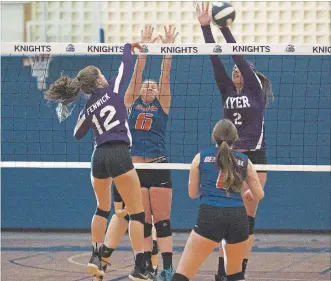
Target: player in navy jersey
point(244, 99)
point(216, 177)
point(105, 113)
point(149, 105)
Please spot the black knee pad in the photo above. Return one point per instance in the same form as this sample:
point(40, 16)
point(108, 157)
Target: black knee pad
point(138, 217)
point(155, 250)
point(102, 213)
point(147, 230)
point(179, 277)
point(236, 276)
point(163, 229)
point(251, 224)
point(106, 252)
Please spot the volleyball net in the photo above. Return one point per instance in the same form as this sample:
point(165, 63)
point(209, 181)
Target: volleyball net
point(297, 129)
point(297, 122)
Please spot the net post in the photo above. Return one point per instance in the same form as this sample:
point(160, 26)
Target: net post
point(100, 31)
point(101, 35)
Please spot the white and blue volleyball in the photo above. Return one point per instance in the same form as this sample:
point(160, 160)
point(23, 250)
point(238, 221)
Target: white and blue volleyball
point(223, 14)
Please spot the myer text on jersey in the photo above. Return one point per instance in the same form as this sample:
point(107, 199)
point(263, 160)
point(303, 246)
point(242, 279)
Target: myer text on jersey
point(236, 102)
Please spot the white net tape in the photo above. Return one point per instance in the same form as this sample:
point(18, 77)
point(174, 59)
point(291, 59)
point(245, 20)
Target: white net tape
point(164, 49)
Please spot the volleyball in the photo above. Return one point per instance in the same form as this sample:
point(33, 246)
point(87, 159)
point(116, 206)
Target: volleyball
point(223, 14)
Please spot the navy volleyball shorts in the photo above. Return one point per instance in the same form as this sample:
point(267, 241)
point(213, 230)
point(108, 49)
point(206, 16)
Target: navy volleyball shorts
point(218, 223)
point(111, 159)
point(257, 156)
point(155, 178)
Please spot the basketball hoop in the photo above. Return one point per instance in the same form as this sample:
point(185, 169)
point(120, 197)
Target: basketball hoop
point(39, 68)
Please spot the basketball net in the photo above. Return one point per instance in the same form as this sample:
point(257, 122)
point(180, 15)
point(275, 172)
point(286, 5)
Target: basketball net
point(39, 68)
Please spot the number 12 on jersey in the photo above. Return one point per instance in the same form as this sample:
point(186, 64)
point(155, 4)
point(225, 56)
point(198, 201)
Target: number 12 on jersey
point(110, 111)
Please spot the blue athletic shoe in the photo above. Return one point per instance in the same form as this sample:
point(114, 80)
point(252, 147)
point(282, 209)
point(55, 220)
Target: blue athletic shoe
point(166, 274)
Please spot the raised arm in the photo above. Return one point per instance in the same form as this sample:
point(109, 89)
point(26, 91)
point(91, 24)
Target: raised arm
point(124, 69)
point(133, 90)
point(222, 79)
point(164, 84)
point(82, 125)
point(250, 78)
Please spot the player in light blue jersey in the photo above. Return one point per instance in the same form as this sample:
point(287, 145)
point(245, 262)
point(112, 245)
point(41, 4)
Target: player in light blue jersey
point(216, 177)
point(149, 106)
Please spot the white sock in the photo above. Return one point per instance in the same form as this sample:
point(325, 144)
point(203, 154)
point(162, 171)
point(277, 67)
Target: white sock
point(137, 252)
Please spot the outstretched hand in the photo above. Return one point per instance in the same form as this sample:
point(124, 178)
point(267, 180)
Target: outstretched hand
point(203, 14)
point(169, 35)
point(147, 34)
point(136, 45)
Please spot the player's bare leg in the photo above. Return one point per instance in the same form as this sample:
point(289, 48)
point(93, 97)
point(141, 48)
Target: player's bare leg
point(155, 251)
point(197, 249)
point(102, 190)
point(251, 209)
point(161, 199)
point(148, 242)
point(128, 185)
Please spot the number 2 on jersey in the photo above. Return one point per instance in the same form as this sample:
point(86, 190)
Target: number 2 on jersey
point(111, 111)
point(144, 121)
point(237, 117)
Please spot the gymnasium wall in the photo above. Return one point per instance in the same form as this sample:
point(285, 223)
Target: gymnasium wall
point(297, 132)
point(13, 32)
point(272, 22)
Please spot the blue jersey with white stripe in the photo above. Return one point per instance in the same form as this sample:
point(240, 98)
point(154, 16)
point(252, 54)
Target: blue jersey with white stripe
point(212, 190)
point(148, 126)
point(105, 112)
